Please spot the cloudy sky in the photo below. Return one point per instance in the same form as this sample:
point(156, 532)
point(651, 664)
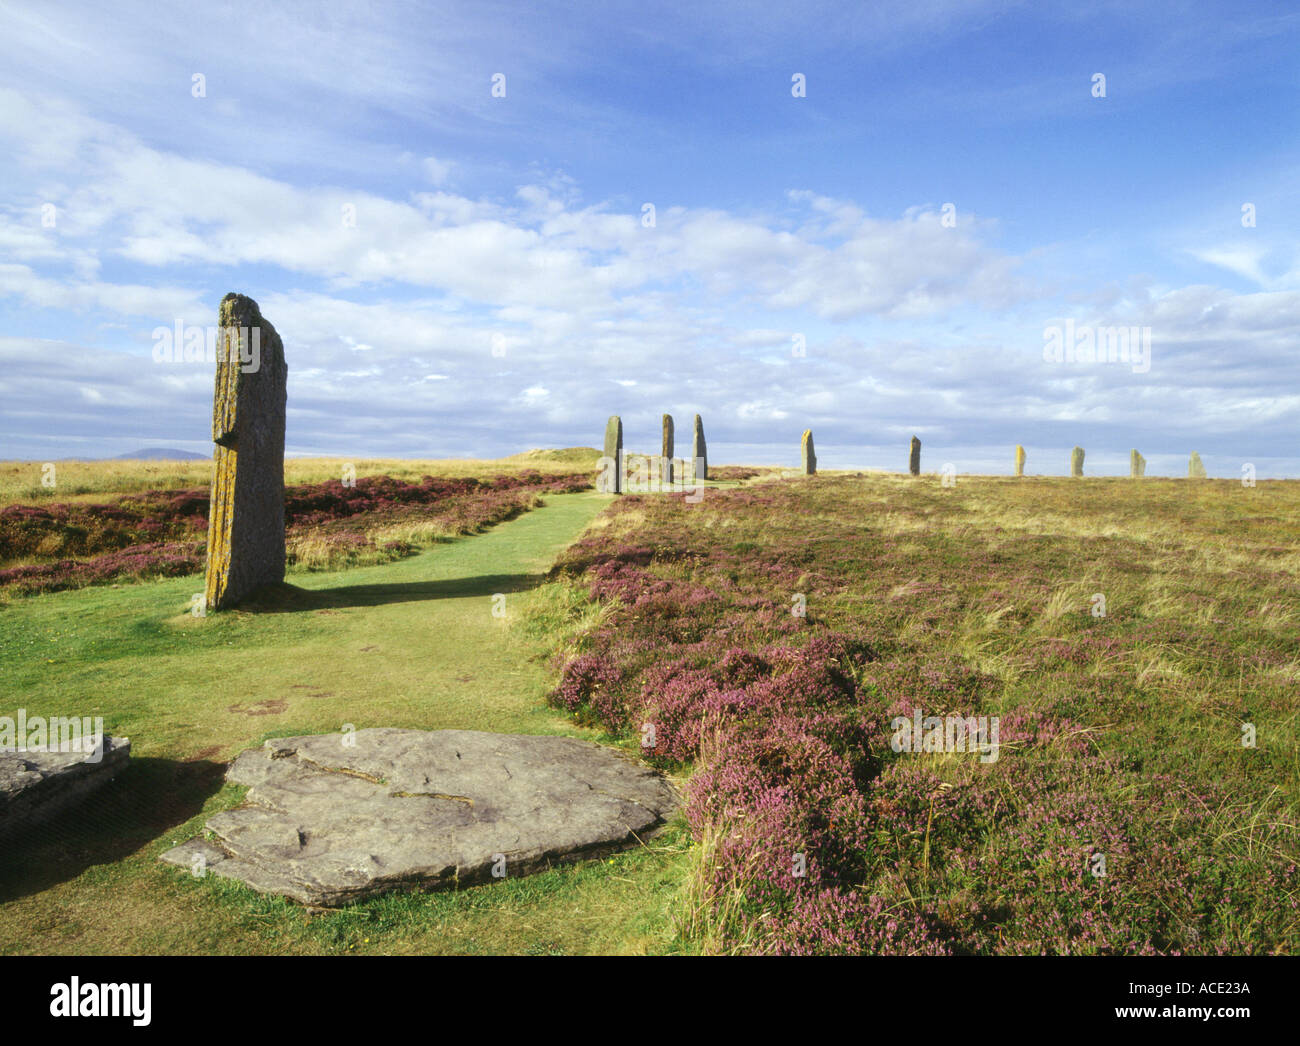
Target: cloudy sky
point(485, 227)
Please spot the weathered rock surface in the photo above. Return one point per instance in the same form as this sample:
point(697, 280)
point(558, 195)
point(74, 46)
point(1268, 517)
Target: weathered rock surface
point(914, 457)
point(1196, 467)
point(37, 786)
point(246, 518)
point(1020, 460)
point(326, 824)
point(700, 451)
point(666, 453)
point(1137, 465)
point(809, 454)
point(613, 482)
point(1076, 461)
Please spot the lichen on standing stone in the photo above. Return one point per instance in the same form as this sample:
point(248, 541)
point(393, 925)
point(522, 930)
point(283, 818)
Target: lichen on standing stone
point(246, 514)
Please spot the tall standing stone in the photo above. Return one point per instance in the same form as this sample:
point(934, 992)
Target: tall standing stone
point(614, 451)
point(1020, 460)
point(666, 454)
point(809, 454)
point(700, 451)
point(1195, 467)
point(246, 513)
point(1076, 461)
point(914, 457)
point(1137, 465)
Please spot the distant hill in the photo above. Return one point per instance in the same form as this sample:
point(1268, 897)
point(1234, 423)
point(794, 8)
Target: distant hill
point(584, 456)
point(161, 454)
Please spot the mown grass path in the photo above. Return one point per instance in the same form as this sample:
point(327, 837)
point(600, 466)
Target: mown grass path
point(408, 644)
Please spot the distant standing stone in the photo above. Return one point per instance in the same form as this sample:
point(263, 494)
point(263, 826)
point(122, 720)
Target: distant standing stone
point(666, 453)
point(1076, 461)
point(1137, 465)
point(246, 513)
point(914, 457)
point(614, 451)
point(1020, 460)
point(809, 454)
point(700, 451)
point(1195, 467)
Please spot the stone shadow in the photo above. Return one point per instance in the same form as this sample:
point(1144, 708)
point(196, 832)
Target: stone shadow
point(146, 800)
point(290, 599)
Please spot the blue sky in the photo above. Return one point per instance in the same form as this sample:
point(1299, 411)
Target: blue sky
point(516, 222)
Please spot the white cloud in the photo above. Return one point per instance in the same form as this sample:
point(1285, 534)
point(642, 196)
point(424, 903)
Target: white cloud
point(1244, 261)
point(437, 170)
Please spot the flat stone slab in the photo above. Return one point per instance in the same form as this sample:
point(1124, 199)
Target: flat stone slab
point(327, 822)
point(38, 785)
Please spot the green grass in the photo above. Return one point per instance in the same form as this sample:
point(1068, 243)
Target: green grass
point(408, 644)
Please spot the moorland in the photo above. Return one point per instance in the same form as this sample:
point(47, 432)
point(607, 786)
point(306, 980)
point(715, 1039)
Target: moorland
point(1143, 798)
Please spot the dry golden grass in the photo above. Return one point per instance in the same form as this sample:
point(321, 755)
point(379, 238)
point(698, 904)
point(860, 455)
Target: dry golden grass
point(20, 481)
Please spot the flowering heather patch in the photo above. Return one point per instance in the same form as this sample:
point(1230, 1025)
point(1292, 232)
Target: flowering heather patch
point(77, 530)
point(317, 503)
point(160, 532)
point(162, 559)
point(1118, 816)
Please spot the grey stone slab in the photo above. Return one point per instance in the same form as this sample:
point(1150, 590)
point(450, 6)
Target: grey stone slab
point(325, 823)
point(38, 786)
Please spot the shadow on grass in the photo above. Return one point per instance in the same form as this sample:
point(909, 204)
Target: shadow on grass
point(144, 801)
point(290, 599)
